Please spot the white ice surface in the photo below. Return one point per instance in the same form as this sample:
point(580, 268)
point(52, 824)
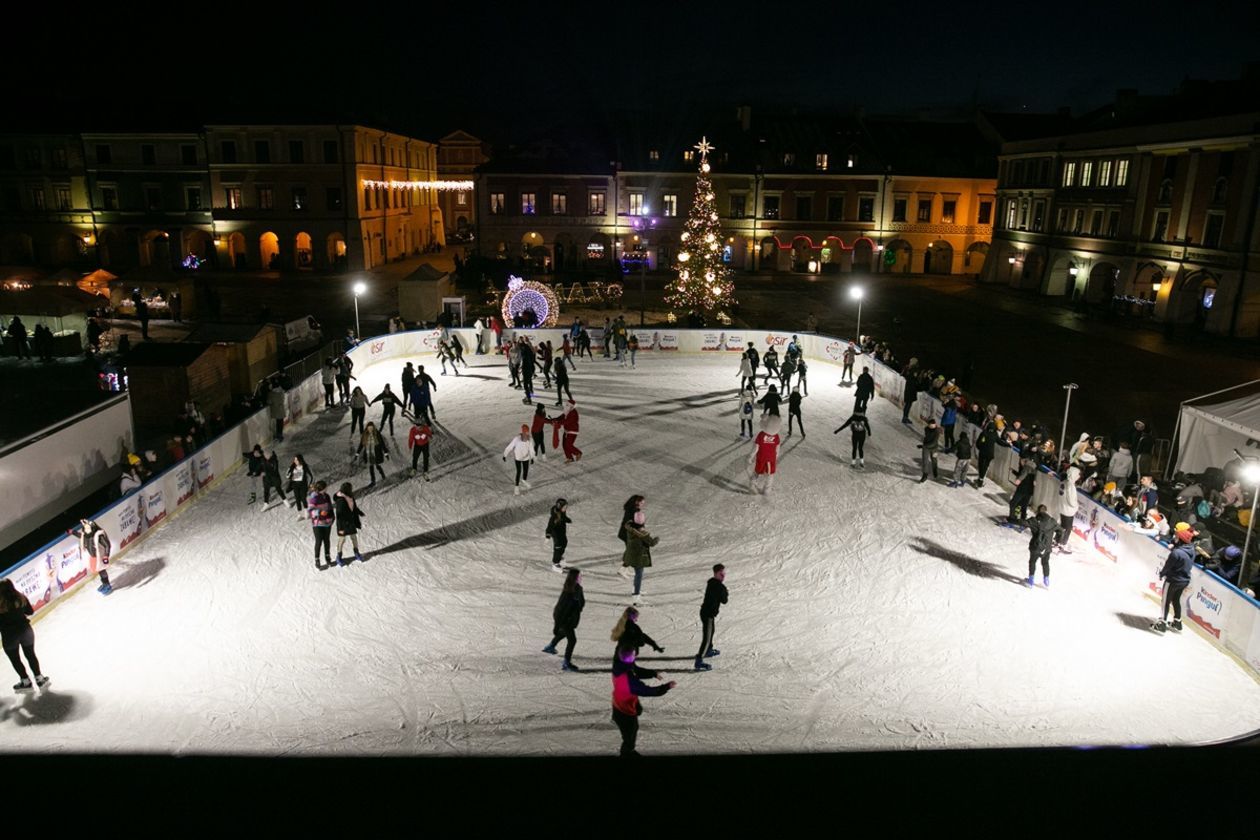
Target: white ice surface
point(842, 632)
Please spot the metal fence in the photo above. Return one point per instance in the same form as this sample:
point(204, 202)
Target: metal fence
point(311, 364)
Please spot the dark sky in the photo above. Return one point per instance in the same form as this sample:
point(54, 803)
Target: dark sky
point(511, 68)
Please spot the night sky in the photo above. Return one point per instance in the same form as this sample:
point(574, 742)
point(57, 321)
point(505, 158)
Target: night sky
point(508, 70)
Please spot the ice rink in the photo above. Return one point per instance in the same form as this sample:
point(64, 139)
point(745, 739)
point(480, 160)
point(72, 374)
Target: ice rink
point(866, 611)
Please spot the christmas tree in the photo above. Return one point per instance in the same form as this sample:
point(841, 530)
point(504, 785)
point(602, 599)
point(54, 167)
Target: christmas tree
point(702, 283)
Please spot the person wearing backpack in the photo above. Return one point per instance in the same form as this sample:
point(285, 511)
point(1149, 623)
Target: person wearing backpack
point(746, 411)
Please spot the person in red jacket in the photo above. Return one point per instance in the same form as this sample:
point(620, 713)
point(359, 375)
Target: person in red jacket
point(765, 459)
point(418, 442)
point(569, 422)
point(536, 427)
point(628, 687)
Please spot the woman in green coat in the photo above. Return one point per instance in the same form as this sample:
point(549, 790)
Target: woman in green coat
point(638, 553)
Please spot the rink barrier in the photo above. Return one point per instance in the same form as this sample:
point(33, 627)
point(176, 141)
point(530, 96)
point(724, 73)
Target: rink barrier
point(1224, 614)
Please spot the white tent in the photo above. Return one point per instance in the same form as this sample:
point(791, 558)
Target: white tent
point(1209, 434)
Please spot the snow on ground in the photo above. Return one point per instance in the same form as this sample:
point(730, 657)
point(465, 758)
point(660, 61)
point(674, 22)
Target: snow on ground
point(866, 611)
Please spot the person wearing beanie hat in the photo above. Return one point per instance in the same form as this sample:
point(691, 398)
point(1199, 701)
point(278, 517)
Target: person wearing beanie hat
point(521, 448)
point(569, 422)
point(557, 531)
point(1176, 577)
point(1069, 503)
point(765, 456)
point(1226, 562)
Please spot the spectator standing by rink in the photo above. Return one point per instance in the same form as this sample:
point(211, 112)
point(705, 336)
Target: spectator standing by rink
point(715, 596)
point(418, 442)
point(1044, 534)
point(319, 509)
point(861, 428)
point(962, 457)
point(1069, 504)
point(566, 616)
point(557, 531)
point(1176, 577)
point(909, 394)
point(271, 478)
point(928, 449)
point(522, 451)
point(1025, 477)
point(94, 543)
point(986, 440)
point(328, 378)
point(846, 374)
point(1120, 467)
point(479, 331)
point(349, 521)
point(277, 409)
point(865, 390)
point(628, 687)
point(16, 632)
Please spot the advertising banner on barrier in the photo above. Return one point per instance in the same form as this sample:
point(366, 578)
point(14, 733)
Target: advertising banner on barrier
point(34, 579)
point(154, 503)
point(69, 564)
point(1207, 603)
point(668, 340)
point(130, 517)
point(203, 467)
point(185, 485)
point(647, 339)
point(712, 341)
point(736, 342)
point(833, 351)
point(779, 341)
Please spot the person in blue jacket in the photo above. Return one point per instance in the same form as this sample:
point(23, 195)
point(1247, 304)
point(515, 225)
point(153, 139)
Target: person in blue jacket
point(949, 417)
point(1176, 577)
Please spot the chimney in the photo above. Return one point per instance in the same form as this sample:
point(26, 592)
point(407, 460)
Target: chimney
point(744, 115)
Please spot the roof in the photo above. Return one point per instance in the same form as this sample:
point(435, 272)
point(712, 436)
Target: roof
point(942, 149)
point(425, 273)
point(166, 354)
point(225, 333)
point(56, 301)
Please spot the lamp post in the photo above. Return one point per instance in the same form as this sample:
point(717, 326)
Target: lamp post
point(1010, 272)
point(1070, 387)
point(359, 288)
point(1251, 472)
point(856, 292)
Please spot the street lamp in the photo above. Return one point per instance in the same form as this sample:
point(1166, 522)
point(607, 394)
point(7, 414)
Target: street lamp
point(856, 292)
point(1251, 473)
point(359, 288)
point(1070, 387)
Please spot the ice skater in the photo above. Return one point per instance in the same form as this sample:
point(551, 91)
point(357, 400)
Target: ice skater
point(545, 356)
point(389, 402)
point(349, 521)
point(528, 365)
point(343, 377)
point(949, 417)
point(1044, 532)
point(632, 344)
point(372, 450)
point(800, 374)
point(794, 411)
point(536, 431)
point(787, 372)
point(627, 633)
point(962, 459)
point(271, 479)
point(747, 379)
point(562, 383)
point(358, 409)
point(299, 475)
point(865, 390)
point(319, 510)
point(846, 373)
point(638, 553)
point(418, 442)
point(522, 451)
point(566, 354)
point(457, 348)
point(513, 353)
point(764, 459)
point(715, 596)
point(255, 462)
point(570, 423)
point(565, 617)
point(421, 396)
point(558, 523)
point(861, 429)
point(771, 361)
point(16, 632)
point(445, 354)
point(628, 687)
point(1025, 478)
point(746, 411)
point(94, 543)
point(1069, 503)
point(770, 402)
point(986, 443)
point(928, 449)
point(1175, 574)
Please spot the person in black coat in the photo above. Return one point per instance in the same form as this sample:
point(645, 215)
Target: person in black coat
point(16, 632)
point(628, 634)
point(986, 440)
point(770, 402)
point(562, 382)
point(929, 447)
point(714, 597)
point(557, 531)
point(861, 428)
point(1176, 577)
point(255, 459)
point(865, 389)
point(909, 395)
point(566, 616)
point(794, 410)
point(1045, 531)
point(389, 401)
point(299, 481)
point(271, 478)
point(349, 520)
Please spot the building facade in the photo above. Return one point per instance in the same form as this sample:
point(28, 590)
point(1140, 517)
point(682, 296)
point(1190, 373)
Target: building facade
point(45, 211)
point(459, 154)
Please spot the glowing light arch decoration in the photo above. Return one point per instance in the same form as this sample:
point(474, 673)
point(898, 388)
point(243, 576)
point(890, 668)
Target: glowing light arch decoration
point(526, 294)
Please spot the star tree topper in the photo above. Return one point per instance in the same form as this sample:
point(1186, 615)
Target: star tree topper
point(704, 147)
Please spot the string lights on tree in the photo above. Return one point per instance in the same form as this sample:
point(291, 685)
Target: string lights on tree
point(702, 281)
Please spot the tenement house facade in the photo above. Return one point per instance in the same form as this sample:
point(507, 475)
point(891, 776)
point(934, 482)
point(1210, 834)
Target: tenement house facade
point(45, 211)
point(459, 154)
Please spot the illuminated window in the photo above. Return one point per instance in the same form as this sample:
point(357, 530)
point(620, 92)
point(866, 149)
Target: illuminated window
point(266, 198)
point(36, 195)
point(1069, 173)
point(947, 212)
point(1039, 215)
point(771, 206)
point(1010, 214)
point(528, 200)
point(367, 198)
point(63, 198)
point(1023, 215)
point(559, 204)
point(899, 209)
point(1087, 173)
point(1078, 221)
point(299, 198)
point(1122, 173)
point(1062, 224)
point(852, 160)
point(820, 162)
point(654, 154)
point(789, 159)
point(496, 203)
point(461, 198)
point(636, 204)
point(1104, 173)
point(669, 204)
point(985, 214)
point(233, 198)
point(595, 205)
point(689, 155)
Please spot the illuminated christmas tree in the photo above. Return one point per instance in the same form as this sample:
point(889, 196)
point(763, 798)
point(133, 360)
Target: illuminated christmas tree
point(703, 282)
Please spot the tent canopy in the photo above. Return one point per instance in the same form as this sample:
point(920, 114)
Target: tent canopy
point(1210, 433)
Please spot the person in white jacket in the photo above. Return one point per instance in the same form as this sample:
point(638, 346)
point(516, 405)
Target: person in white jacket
point(746, 374)
point(1074, 454)
point(1120, 467)
point(521, 448)
point(1069, 503)
point(479, 330)
point(746, 409)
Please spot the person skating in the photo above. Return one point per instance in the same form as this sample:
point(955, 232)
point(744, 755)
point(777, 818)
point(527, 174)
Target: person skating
point(865, 390)
point(457, 348)
point(566, 616)
point(928, 449)
point(1069, 503)
point(345, 372)
point(349, 520)
point(770, 402)
point(949, 417)
point(638, 553)
point(1025, 477)
point(421, 396)
point(746, 412)
point(16, 632)
point(1044, 532)
point(787, 372)
point(372, 450)
point(389, 401)
point(562, 383)
point(537, 433)
point(328, 378)
point(255, 462)
point(632, 506)
point(479, 331)
point(528, 365)
point(271, 479)
point(358, 410)
point(771, 361)
point(861, 429)
point(745, 374)
point(545, 358)
point(715, 595)
point(846, 373)
point(418, 442)
point(1176, 576)
point(319, 510)
point(299, 475)
point(558, 523)
point(513, 353)
point(962, 458)
point(570, 422)
point(445, 354)
point(986, 441)
point(522, 451)
point(94, 543)
point(566, 354)
point(765, 456)
point(628, 687)
point(754, 362)
point(628, 634)
point(794, 410)
point(632, 344)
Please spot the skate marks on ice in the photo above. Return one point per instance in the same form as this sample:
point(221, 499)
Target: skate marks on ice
point(966, 563)
point(42, 707)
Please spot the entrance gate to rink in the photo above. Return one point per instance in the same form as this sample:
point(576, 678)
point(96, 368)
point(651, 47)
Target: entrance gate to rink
point(1221, 611)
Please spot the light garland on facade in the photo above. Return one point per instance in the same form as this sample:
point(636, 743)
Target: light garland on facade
point(443, 186)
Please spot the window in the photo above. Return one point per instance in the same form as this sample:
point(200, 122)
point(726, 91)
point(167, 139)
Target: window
point(331, 153)
point(669, 204)
point(1023, 215)
point(262, 151)
point(1017, 173)
point(1039, 215)
point(654, 154)
point(233, 198)
point(297, 151)
point(1104, 173)
point(461, 198)
point(36, 195)
point(559, 204)
point(227, 151)
point(1161, 226)
point(367, 199)
point(636, 204)
point(1113, 223)
point(63, 198)
point(188, 154)
point(1010, 214)
point(1165, 191)
point(899, 209)
point(299, 198)
point(804, 207)
point(1096, 223)
point(34, 158)
point(266, 198)
point(820, 162)
point(947, 211)
point(985, 214)
point(789, 159)
point(152, 198)
point(1078, 221)
point(373, 148)
point(528, 202)
point(852, 160)
point(332, 198)
point(689, 156)
point(192, 198)
point(103, 153)
point(148, 154)
point(925, 210)
point(109, 198)
point(771, 206)
point(1043, 172)
point(1219, 190)
point(1069, 173)
point(59, 158)
point(1122, 173)
point(866, 208)
point(1087, 173)
point(595, 204)
point(835, 208)
point(1170, 167)
point(497, 203)
point(1212, 230)
point(737, 206)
